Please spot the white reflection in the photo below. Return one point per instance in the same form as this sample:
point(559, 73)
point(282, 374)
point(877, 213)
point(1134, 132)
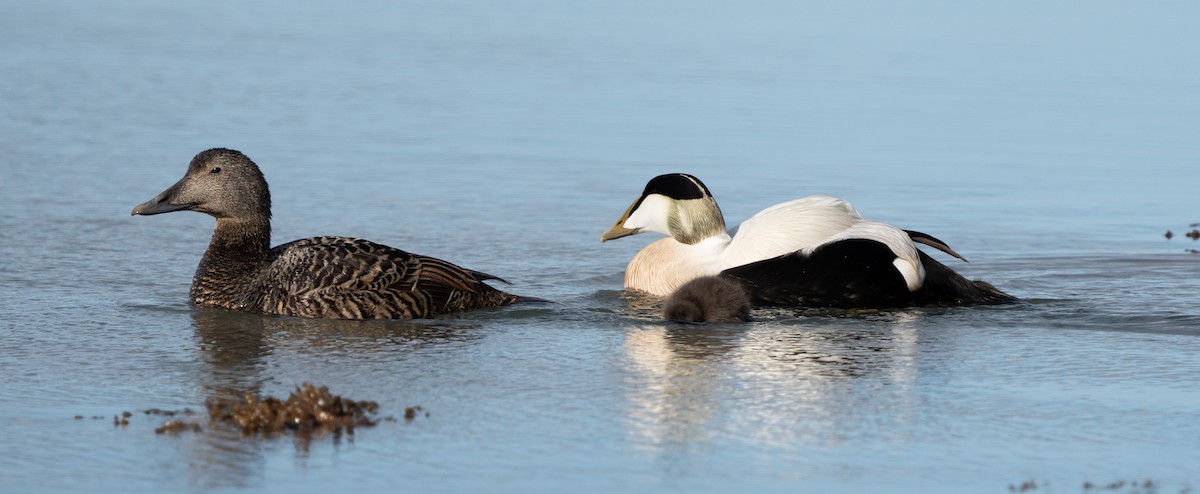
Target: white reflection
point(794, 383)
point(678, 381)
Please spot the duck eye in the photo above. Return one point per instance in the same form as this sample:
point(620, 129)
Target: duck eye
point(216, 169)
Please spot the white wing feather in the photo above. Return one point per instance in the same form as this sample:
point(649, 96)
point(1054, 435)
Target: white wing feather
point(788, 227)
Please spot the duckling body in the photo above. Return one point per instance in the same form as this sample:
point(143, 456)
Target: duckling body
point(319, 277)
point(815, 251)
point(708, 299)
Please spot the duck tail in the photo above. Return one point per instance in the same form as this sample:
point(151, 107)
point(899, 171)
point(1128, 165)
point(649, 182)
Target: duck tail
point(930, 240)
point(943, 286)
point(522, 299)
point(482, 276)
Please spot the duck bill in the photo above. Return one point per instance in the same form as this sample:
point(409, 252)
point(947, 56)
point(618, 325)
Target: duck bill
point(162, 203)
point(618, 230)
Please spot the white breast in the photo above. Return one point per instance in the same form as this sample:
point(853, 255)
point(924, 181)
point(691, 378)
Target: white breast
point(665, 264)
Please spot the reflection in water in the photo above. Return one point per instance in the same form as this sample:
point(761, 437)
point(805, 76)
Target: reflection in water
point(234, 347)
point(769, 383)
point(678, 381)
point(808, 384)
point(641, 305)
point(325, 337)
point(238, 347)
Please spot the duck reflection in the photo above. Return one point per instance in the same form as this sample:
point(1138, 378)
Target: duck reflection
point(233, 346)
point(243, 352)
point(678, 381)
point(782, 381)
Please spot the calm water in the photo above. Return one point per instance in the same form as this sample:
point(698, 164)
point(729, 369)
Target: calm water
point(1052, 146)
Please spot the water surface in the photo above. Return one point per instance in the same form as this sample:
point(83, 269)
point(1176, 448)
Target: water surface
point(1051, 145)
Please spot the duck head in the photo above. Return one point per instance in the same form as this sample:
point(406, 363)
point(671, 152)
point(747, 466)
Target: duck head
point(220, 182)
point(675, 204)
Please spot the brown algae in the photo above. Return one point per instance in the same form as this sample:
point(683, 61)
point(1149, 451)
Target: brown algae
point(307, 409)
point(176, 426)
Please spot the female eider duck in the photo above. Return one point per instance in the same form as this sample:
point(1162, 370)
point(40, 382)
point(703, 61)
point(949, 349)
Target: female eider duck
point(320, 277)
point(816, 251)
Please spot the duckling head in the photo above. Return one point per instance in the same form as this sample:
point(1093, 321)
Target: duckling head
point(220, 182)
point(675, 204)
point(708, 298)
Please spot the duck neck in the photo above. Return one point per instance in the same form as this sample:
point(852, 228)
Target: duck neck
point(237, 253)
point(694, 221)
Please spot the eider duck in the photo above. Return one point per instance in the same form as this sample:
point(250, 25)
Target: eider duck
point(815, 251)
point(318, 277)
point(708, 299)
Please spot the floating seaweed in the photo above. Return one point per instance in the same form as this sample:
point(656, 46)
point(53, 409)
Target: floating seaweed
point(176, 426)
point(1026, 486)
point(169, 413)
point(1194, 234)
point(1146, 486)
point(411, 413)
point(307, 409)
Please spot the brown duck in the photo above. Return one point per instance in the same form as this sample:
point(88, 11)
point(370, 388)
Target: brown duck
point(325, 277)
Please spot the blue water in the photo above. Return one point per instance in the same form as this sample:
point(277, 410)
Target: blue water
point(1053, 145)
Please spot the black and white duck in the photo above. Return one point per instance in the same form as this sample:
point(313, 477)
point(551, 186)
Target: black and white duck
point(318, 277)
point(815, 251)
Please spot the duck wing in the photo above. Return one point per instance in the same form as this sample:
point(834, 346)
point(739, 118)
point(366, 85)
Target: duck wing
point(348, 278)
point(789, 227)
point(857, 273)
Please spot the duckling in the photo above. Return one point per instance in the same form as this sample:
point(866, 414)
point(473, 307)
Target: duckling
point(318, 277)
point(815, 251)
point(708, 298)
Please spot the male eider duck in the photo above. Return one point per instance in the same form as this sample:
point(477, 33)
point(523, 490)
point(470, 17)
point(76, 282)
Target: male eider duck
point(708, 299)
point(816, 251)
point(320, 277)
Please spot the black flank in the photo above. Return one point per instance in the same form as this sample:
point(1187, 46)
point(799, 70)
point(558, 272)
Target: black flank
point(849, 273)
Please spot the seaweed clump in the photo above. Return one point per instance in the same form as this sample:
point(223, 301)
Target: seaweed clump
point(1194, 234)
point(177, 426)
point(307, 409)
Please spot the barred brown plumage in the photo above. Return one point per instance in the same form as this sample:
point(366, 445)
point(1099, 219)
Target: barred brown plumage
point(320, 277)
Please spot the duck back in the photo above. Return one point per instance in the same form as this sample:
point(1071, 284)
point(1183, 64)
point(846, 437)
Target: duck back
point(349, 278)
